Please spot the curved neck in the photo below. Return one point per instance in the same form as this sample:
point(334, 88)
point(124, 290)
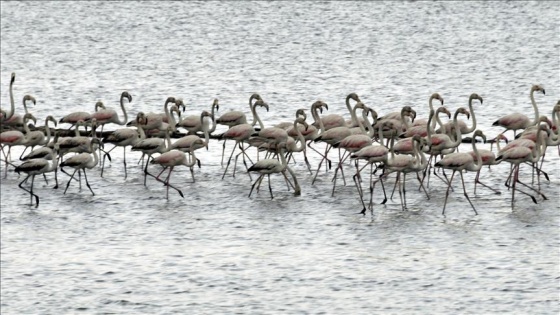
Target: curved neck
point(380, 131)
point(256, 117)
point(301, 145)
point(253, 112)
point(167, 141)
point(125, 120)
point(438, 121)
point(370, 130)
point(316, 118)
point(47, 130)
point(166, 110)
point(213, 119)
point(457, 131)
point(535, 108)
point(471, 129)
point(405, 121)
point(478, 164)
point(172, 121)
point(93, 163)
point(429, 125)
point(25, 126)
point(192, 162)
point(205, 129)
point(430, 103)
point(351, 111)
point(25, 105)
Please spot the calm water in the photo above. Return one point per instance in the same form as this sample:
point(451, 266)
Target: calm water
point(128, 250)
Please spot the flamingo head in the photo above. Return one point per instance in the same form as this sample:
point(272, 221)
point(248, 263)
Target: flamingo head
point(99, 105)
point(537, 88)
point(475, 96)
point(262, 104)
point(179, 103)
point(478, 133)
point(29, 98)
point(126, 95)
point(51, 118)
point(464, 111)
point(438, 97)
point(353, 96)
point(13, 78)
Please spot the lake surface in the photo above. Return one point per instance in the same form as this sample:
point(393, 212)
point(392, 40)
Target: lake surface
point(128, 250)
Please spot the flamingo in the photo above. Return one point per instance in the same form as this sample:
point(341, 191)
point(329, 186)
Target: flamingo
point(460, 161)
point(74, 117)
point(235, 117)
point(108, 115)
point(424, 121)
point(241, 133)
point(160, 121)
point(516, 121)
point(82, 161)
point(403, 164)
point(372, 154)
point(37, 137)
point(16, 121)
point(441, 144)
point(462, 125)
point(34, 167)
point(124, 137)
point(12, 138)
point(488, 158)
point(149, 146)
point(194, 124)
point(170, 159)
point(271, 166)
point(332, 136)
point(516, 156)
point(335, 120)
point(193, 141)
point(355, 142)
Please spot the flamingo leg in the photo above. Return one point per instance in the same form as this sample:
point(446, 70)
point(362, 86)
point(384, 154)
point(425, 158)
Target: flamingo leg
point(70, 180)
point(477, 181)
point(465, 192)
point(422, 185)
point(253, 186)
point(447, 192)
point(270, 188)
point(229, 160)
point(31, 194)
point(87, 183)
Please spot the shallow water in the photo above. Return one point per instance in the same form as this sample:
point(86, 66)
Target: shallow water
point(129, 250)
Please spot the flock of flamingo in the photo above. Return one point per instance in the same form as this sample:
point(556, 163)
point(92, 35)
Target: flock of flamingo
point(393, 143)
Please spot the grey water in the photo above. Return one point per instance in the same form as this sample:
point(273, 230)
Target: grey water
point(129, 250)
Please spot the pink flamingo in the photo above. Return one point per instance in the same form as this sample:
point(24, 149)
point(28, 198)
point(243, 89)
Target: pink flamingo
point(82, 161)
point(488, 158)
point(194, 124)
point(516, 156)
point(240, 133)
point(516, 121)
point(460, 161)
point(8, 115)
point(170, 159)
point(12, 138)
point(108, 115)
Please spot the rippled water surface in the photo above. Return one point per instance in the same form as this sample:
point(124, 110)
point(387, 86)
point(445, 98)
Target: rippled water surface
point(128, 250)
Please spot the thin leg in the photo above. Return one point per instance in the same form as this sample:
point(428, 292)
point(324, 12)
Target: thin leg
point(270, 188)
point(30, 191)
point(447, 192)
point(465, 192)
point(87, 183)
point(70, 180)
